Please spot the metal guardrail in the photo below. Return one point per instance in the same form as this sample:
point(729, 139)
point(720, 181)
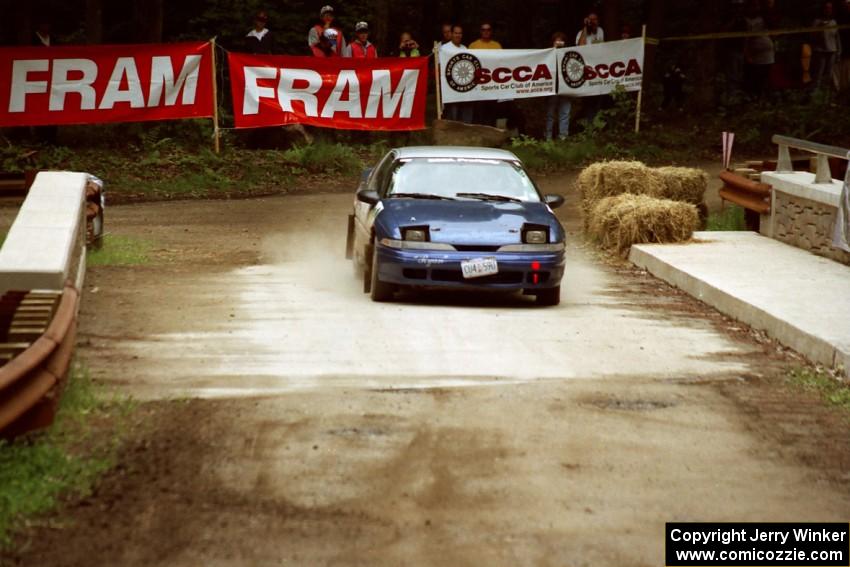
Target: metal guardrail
point(31, 381)
point(822, 151)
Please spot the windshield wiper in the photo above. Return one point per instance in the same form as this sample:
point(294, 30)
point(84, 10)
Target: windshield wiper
point(421, 196)
point(488, 197)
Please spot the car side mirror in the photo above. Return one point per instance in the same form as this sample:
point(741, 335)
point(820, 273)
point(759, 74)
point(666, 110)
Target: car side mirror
point(554, 201)
point(369, 197)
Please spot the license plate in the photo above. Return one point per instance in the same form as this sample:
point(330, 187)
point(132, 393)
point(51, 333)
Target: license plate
point(477, 267)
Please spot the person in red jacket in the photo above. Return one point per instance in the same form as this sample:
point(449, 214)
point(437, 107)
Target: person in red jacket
point(325, 39)
point(361, 48)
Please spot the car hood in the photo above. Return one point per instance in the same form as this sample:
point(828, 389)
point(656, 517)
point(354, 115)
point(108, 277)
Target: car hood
point(465, 222)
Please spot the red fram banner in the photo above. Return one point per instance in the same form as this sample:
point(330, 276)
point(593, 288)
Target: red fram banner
point(105, 83)
point(357, 94)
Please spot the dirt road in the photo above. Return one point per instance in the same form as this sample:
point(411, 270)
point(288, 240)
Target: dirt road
point(324, 429)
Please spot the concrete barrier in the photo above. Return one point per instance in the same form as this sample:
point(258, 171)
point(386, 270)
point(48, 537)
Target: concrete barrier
point(803, 212)
point(45, 248)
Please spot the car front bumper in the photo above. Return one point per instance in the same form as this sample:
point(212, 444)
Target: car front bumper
point(439, 268)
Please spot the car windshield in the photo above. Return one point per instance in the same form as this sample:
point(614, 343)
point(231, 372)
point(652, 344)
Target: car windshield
point(461, 178)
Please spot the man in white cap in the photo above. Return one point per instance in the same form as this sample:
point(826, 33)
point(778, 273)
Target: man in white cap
point(324, 39)
point(361, 47)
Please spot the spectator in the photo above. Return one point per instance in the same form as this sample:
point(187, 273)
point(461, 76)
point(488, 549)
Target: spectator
point(626, 32)
point(42, 37)
point(456, 43)
point(446, 33)
point(673, 83)
point(461, 111)
point(759, 54)
point(591, 32)
point(324, 39)
point(361, 47)
point(407, 47)
point(826, 48)
point(486, 112)
point(486, 40)
point(588, 35)
point(259, 40)
point(558, 104)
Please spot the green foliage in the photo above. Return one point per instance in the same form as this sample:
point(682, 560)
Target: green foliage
point(730, 218)
point(36, 471)
point(322, 157)
point(557, 154)
point(827, 384)
point(163, 167)
point(120, 251)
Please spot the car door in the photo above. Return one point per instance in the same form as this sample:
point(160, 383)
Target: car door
point(364, 213)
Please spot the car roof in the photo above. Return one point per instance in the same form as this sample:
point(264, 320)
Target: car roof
point(466, 152)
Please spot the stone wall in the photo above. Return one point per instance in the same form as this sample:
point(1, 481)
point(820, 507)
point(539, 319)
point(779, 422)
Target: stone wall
point(806, 224)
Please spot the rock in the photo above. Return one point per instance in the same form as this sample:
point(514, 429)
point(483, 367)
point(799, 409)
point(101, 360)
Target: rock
point(451, 133)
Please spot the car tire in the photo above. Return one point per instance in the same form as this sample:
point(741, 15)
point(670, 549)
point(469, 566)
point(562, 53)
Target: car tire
point(379, 291)
point(349, 239)
point(549, 296)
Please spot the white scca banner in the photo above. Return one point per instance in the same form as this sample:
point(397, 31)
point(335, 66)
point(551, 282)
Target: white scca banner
point(496, 74)
point(597, 69)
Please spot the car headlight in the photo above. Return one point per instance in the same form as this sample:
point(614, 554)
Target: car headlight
point(415, 235)
point(536, 237)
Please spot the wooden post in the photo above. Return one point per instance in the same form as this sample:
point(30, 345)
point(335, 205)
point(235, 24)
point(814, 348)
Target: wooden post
point(216, 131)
point(438, 80)
point(640, 92)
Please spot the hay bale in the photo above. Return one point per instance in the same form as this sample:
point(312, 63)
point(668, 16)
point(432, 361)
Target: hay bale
point(626, 219)
point(611, 178)
point(685, 184)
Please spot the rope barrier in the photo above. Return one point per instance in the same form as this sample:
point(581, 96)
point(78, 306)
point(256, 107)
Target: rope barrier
point(735, 35)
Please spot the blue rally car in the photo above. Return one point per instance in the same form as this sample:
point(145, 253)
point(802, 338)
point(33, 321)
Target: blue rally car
point(455, 217)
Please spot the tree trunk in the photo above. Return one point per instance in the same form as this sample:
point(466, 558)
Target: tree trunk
point(610, 23)
point(94, 21)
point(156, 17)
point(148, 15)
point(705, 66)
point(654, 29)
point(23, 24)
point(381, 34)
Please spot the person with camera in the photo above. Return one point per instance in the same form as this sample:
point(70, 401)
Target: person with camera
point(407, 46)
point(591, 32)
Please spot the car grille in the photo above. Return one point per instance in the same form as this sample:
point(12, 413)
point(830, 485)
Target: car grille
point(475, 248)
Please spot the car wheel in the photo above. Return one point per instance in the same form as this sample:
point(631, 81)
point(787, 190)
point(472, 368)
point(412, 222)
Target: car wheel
point(380, 291)
point(349, 239)
point(550, 296)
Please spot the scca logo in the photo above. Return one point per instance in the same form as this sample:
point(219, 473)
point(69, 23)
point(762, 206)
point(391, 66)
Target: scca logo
point(575, 72)
point(464, 72)
point(461, 71)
